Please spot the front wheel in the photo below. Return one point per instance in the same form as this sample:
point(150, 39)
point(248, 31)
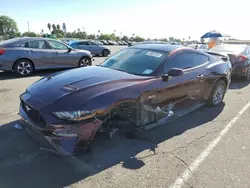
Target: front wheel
point(217, 94)
point(84, 62)
point(23, 67)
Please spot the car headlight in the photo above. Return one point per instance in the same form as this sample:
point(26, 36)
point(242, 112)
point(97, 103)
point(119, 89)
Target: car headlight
point(75, 115)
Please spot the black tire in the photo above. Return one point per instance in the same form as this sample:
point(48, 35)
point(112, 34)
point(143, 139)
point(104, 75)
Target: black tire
point(247, 77)
point(217, 94)
point(84, 62)
point(23, 67)
point(105, 53)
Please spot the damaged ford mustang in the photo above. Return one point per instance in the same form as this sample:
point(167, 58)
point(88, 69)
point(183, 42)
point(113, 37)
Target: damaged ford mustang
point(145, 85)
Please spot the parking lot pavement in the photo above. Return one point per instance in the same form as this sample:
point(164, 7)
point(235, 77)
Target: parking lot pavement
point(156, 158)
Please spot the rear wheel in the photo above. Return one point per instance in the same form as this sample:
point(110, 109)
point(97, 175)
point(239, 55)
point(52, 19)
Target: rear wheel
point(23, 67)
point(84, 62)
point(217, 94)
point(105, 53)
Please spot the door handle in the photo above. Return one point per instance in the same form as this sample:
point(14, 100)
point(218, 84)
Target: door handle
point(200, 76)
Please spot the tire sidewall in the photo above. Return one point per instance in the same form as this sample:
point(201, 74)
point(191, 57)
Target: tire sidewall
point(217, 84)
point(105, 53)
point(18, 62)
point(79, 64)
point(247, 77)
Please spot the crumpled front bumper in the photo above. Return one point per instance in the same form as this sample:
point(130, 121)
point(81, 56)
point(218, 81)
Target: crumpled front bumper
point(62, 144)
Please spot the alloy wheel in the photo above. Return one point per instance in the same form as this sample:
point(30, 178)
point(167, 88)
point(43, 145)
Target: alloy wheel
point(84, 62)
point(24, 68)
point(218, 94)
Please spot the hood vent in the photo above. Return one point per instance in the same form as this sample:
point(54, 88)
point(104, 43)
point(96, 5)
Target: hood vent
point(69, 88)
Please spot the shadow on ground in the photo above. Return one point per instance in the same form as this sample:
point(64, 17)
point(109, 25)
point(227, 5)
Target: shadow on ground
point(22, 164)
point(238, 83)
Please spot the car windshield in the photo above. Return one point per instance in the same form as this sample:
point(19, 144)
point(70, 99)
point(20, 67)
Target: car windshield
point(136, 61)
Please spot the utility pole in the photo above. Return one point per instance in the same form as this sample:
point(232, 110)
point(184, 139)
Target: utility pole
point(28, 25)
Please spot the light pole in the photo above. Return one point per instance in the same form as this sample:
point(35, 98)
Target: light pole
point(28, 25)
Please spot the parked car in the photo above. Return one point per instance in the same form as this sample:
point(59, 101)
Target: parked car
point(124, 43)
point(149, 42)
point(98, 42)
point(239, 57)
point(111, 42)
point(121, 43)
point(104, 42)
point(91, 46)
point(145, 85)
point(25, 55)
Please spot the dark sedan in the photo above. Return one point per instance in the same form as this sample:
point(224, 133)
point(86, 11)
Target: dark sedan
point(145, 85)
point(27, 54)
point(239, 57)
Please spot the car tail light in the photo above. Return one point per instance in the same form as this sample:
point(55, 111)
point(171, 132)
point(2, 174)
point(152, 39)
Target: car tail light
point(242, 59)
point(2, 51)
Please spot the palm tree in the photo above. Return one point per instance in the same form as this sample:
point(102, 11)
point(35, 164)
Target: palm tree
point(54, 27)
point(49, 26)
point(58, 27)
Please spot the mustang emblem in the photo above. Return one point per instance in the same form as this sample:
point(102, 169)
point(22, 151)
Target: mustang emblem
point(28, 108)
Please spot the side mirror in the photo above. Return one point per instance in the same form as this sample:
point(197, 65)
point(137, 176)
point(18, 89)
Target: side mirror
point(69, 50)
point(175, 72)
point(172, 72)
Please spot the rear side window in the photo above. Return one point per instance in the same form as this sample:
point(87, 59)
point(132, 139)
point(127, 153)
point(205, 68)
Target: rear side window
point(83, 43)
point(92, 43)
point(185, 60)
point(38, 44)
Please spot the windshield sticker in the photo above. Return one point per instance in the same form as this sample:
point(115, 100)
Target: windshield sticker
point(154, 54)
point(148, 71)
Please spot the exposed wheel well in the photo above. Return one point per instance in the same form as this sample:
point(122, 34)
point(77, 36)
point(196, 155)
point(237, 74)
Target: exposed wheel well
point(14, 64)
point(224, 79)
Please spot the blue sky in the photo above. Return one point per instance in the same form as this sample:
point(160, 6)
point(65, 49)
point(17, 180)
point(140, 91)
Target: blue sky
point(147, 18)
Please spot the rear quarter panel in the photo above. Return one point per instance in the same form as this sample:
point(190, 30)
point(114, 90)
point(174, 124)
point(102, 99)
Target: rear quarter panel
point(218, 69)
point(11, 56)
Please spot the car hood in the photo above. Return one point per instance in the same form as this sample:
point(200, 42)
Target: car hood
point(81, 51)
point(72, 88)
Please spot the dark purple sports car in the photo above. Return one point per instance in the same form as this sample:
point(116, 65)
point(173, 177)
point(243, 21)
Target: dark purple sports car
point(144, 85)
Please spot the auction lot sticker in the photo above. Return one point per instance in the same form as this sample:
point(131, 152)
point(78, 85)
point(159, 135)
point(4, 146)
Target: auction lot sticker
point(154, 54)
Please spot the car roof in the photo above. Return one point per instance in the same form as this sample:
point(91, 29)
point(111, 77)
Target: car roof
point(160, 47)
point(17, 41)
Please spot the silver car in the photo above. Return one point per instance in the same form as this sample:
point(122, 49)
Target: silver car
point(91, 46)
point(24, 55)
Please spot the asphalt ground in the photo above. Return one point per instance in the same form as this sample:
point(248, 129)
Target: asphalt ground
point(207, 148)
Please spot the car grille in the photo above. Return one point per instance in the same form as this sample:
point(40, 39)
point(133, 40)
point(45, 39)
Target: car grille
point(34, 115)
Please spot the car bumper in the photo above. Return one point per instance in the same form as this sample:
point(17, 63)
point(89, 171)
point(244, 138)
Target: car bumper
point(240, 71)
point(65, 145)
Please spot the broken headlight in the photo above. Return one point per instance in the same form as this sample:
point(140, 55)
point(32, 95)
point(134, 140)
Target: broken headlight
point(75, 115)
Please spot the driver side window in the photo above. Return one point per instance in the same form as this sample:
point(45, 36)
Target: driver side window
point(185, 60)
point(57, 45)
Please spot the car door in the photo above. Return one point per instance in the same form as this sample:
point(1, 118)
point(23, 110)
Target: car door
point(178, 94)
point(39, 52)
point(84, 45)
point(95, 49)
point(62, 55)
